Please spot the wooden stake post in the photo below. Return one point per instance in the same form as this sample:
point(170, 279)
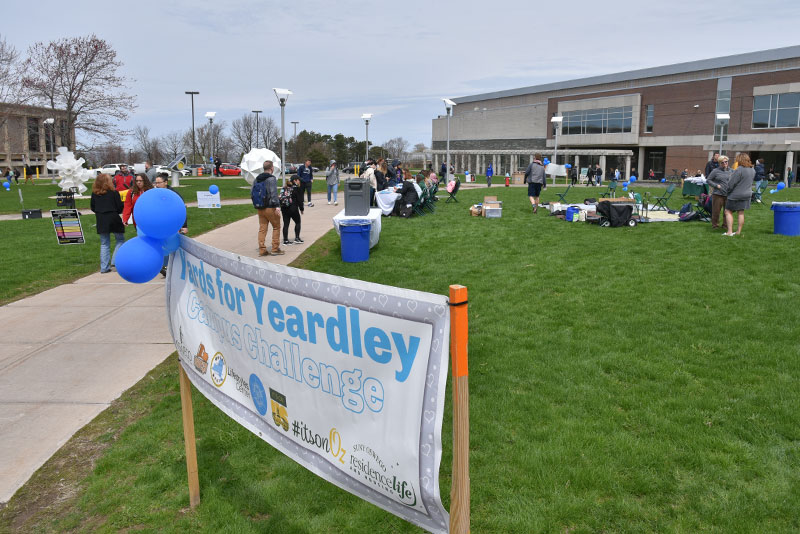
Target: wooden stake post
point(188, 437)
point(459, 492)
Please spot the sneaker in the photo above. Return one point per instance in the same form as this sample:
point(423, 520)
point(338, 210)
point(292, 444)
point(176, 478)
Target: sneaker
point(164, 272)
point(329, 203)
point(287, 242)
point(298, 240)
point(335, 203)
point(726, 234)
point(278, 252)
point(310, 204)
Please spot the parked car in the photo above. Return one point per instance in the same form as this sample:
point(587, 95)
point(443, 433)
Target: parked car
point(351, 167)
point(111, 168)
point(291, 168)
point(163, 168)
point(227, 169)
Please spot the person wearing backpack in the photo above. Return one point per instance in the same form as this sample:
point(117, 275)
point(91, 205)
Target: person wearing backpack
point(264, 195)
point(291, 200)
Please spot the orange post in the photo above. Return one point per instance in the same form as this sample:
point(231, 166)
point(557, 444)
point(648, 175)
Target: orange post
point(459, 337)
point(188, 437)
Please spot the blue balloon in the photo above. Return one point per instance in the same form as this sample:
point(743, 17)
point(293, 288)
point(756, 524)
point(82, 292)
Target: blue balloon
point(159, 212)
point(663, 180)
point(771, 191)
point(171, 244)
point(624, 187)
point(139, 259)
point(546, 161)
point(213, 189)
point(633, 179)
point(567, 166)
point(7, 185)
point(625, 184)
point(780, 185)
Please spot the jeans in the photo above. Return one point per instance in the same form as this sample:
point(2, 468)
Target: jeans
point(106, 259)
point(305, 186)
point(335, 189)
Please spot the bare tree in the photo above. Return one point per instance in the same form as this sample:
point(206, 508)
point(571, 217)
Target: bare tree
point(420, 147)
point(270, 134)
point(243, 132)
point(396, 147)
point(9, 73)
point(172, 145)
point(149, 146)
point(79, 75)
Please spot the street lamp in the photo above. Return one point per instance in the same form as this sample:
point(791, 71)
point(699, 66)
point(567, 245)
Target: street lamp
point(294, 138)
point(722, 117)
point(51, 122)
point(448, 105)
point(557, 122)
point(256, 111)
point(367, 117)
point(194, 146)
point(210, 116)
point(283, 96)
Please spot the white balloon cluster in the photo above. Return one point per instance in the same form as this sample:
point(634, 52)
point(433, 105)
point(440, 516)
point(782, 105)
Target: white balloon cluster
point(70, 170)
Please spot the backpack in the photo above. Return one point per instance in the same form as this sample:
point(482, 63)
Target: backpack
point(258, 194)
point(285, 199)
point(686, 208)
point(689, 216)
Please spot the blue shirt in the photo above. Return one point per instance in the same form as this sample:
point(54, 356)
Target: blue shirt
point(305, 173)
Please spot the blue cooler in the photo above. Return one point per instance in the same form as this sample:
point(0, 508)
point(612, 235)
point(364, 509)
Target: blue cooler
point(355, 239)
point(787, 217)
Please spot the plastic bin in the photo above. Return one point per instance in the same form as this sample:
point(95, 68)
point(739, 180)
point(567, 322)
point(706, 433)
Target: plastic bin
point(573, 214)
point(355, 239)
point(356, 197)
point(786, 218)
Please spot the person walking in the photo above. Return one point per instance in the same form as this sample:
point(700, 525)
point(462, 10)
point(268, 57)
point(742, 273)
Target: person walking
point(140, 186)
point(536, 180)
point(489, 174)
point(291, 201)
point(332, 179)
point(598, 174)
point(760, 174)
point(789, 176)
point(217, 164)
point(306, 174)
point(265, 199)
point(107, 205)
point(718, 180)
point(739, 192)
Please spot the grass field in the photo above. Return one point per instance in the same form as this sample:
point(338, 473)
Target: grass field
point(622, 380)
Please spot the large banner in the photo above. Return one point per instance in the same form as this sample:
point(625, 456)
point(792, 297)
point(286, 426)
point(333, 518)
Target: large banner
point(345, 377)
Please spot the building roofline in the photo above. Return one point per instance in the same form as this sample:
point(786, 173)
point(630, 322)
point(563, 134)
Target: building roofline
point(775, 54)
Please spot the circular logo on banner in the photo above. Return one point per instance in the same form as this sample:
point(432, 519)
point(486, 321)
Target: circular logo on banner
point(258, 394)
point(219, 370)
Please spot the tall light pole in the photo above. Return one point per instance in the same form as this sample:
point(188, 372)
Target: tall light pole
point(722, 117)
point(194, 146)
point(367, 117)
point(294, 138)
point(256, 111)
point(210, 116)
point(51, 122)
point(557, 123)
point(283, 96)
point(448, 105)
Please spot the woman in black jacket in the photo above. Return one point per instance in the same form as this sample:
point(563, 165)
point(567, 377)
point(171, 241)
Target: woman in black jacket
point(107, 205)
point(291, 200)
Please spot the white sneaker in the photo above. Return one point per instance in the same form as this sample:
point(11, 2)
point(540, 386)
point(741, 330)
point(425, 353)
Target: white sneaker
point(329, 203)
point(311, 204)
point(335, 203)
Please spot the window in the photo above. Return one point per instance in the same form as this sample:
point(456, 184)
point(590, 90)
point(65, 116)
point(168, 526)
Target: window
point(648, 118)
point(598, 121)
point(49, 135)
point(776, 111)
point(33, 135)
point(63, 133)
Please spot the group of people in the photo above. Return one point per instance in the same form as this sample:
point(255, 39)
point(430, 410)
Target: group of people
point(113, 214)
point(731, 190)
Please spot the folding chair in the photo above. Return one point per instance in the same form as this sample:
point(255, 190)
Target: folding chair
point(611, 191)
point(704, 204)
point(430, 198)
point(563, 196)
point(454, 192)
point(661, 202)
point(756, 196)
point(419, 205)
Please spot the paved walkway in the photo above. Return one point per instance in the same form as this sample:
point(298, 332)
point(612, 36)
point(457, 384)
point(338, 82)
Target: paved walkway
point(70, 351)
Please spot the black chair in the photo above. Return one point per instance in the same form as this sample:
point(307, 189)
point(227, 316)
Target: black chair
point(562, 196)
point(454, 192)
point(661, 202)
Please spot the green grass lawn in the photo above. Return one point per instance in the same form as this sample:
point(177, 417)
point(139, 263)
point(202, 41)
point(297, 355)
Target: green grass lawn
point(622, 380)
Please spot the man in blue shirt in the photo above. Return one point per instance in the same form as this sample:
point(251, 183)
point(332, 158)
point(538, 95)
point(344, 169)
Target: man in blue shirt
point(306, 174)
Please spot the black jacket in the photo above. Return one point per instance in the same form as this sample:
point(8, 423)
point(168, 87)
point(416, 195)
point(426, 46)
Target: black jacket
point(107, 208)
point(408, 194)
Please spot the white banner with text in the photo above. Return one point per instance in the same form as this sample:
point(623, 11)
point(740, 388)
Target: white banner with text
point(345, 377)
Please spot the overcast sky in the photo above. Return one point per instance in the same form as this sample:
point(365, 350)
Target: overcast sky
point(394, 59)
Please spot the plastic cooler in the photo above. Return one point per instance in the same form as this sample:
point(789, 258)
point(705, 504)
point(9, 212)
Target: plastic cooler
point(355, 239)
point(786, 217)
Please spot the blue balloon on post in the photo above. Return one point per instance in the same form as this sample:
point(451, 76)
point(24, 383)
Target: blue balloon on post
point(139, 259)
point(160, 213)
point(567, 166)
point(213, 189)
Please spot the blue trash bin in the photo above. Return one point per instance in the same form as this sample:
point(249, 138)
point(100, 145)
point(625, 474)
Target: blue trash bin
point(355, 239)
point(786, 217)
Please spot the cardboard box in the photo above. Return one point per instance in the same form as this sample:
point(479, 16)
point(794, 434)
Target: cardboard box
point(518, 177)
point(489, 199)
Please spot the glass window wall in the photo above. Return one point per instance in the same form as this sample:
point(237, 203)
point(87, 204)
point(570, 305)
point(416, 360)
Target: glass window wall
point(598, 121)
point(776, 111)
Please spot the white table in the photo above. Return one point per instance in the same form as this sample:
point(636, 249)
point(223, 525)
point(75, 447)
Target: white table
point(386, 200)
point(374, 218)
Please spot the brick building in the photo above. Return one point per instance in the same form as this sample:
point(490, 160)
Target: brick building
point(664, 118)
point(27, 136)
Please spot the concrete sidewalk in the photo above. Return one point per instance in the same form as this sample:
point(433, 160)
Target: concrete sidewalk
point(70, 351)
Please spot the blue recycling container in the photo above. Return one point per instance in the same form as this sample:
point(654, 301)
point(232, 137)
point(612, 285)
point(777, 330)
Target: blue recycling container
point(355, 240)
point(786, 217)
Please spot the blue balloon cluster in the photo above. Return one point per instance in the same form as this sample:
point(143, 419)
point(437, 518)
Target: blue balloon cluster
point(567, 166)
point(546, 161)
point(159, 215)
